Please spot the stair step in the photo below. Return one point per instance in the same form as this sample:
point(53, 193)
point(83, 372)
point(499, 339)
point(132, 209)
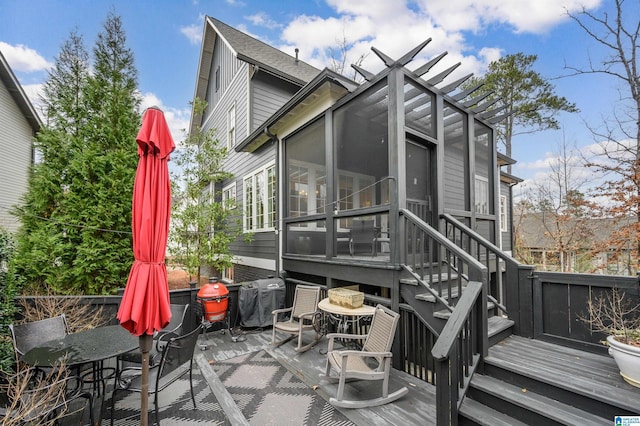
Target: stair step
point(433, 279)
point(428, 297)
point(591, 381)
point(498, 324)
point(445, 314)
point(483, 415)
point(523, 400)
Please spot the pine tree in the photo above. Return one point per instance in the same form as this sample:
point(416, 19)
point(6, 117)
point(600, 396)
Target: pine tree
point(526, 98)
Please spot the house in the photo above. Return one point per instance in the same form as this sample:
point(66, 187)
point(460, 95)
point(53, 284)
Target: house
point(313, 153)
point(555, 242)
point(19, 123)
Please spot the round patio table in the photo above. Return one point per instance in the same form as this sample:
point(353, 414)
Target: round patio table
point(85, 347)
point(344, 319)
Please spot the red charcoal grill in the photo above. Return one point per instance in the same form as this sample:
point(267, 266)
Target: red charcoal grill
point(214, 302)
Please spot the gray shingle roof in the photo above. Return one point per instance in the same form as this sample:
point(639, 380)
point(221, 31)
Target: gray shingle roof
point(259, 53)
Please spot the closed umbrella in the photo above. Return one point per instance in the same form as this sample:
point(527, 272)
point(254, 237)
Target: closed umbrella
point(145, 305)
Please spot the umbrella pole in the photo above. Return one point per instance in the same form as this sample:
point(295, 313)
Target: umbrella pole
point(145, 341)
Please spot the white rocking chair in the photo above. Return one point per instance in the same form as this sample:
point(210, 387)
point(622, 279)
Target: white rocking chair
point(305, 305)
point(373, 362)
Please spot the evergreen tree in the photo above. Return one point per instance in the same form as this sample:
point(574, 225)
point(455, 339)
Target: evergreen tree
point(527, 98)
point(41, 253)
point(77, 237)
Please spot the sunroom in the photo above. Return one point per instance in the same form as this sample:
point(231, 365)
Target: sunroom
point(396, 143)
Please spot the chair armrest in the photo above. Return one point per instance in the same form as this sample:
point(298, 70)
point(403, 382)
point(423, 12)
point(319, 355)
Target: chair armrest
point(307, 315)
point(333, 336)
point(163, 338)
point(363, 354)
point(281, 311)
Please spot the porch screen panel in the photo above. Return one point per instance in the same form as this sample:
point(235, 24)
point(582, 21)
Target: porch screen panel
point(306, 170)
point(456, 159)
point(362, 150)
point(418, 108)
point(484, 199)
point(306, 189)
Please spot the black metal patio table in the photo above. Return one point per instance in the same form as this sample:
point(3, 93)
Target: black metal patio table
point(92, 346)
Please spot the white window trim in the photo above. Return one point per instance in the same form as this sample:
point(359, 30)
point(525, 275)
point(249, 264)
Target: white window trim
point(485, 181)
point(230, 189)
point(504, 219)
point(265, 201)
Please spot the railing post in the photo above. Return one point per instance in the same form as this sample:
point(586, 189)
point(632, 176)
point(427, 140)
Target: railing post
point(447, 389)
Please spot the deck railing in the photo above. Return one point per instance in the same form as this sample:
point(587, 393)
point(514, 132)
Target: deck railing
point(502, 267)
point(440, 266)
point(458, 351)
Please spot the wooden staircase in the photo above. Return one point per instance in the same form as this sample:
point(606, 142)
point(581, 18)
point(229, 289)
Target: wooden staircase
point(520, 381)
point(533, 382)
point(432, 308)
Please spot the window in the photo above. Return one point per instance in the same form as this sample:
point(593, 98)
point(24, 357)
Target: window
point(503, 214)
point(227, 274)
point(482, 195)
point(231, 126)
point(218, 78)
point(260, 200)
point(229, 196)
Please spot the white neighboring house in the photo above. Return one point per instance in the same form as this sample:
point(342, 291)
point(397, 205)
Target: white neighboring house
point(19, 123)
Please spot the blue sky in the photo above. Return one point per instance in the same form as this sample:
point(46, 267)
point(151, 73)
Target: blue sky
point(164, 36)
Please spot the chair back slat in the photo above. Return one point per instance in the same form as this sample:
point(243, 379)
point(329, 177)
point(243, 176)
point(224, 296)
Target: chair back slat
point(28, 335)
point(305, 300)
point(382, 330)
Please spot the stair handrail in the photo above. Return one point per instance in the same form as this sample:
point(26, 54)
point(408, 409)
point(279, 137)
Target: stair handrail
point(510, 262)
point(459, 350)
point(474, 265)
point(480, 239)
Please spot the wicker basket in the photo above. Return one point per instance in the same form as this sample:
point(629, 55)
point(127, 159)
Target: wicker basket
point(346, 297)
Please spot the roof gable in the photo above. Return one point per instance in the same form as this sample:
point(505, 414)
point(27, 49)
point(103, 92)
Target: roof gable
point(258, 53)
point(250, 50)
point(19, 96)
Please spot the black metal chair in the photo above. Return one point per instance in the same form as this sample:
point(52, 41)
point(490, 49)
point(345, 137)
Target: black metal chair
point(175, 362)
point(173, 329)
point(28, 335)
point(45, 399)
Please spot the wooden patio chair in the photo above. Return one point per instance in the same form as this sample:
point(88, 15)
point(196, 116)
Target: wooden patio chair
point(305, 305)
point(373, 362)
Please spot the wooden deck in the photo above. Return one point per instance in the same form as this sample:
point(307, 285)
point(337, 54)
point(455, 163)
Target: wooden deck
point(524, 382)
point(416, 408)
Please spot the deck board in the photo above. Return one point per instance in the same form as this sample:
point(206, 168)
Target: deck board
point(584, 373)
point(416, 408)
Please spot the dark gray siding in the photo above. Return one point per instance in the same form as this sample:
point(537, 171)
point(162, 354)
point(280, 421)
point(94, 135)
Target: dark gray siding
point(454, 180)
point(268, 94)
point(224, 69)
point(263, 244)
point(16, 137)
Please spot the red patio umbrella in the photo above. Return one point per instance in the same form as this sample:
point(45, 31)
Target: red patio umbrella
point(145, 305)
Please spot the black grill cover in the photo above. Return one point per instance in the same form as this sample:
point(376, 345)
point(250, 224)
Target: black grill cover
point(257, 299)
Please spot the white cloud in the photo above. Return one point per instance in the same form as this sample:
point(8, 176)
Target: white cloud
point(24, 59)
point(262, 19)
point(397, 26)
point(177, 119)
point(193, 33)
point(535, 16)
